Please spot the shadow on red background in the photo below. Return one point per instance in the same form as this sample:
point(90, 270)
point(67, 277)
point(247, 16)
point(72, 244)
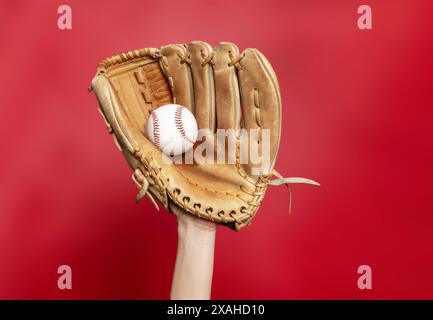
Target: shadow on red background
point(357, 117)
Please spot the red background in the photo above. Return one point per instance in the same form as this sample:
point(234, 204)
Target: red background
point(357, 117)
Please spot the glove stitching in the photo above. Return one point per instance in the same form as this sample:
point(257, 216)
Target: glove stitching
point(236, 195)
point(157, 179)
point(239, 168)
point(196, 208)
point(154, 172)
point(128, 56)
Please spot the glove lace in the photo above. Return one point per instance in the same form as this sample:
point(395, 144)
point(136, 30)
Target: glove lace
point(234, 60)
point(288, 182)
point(207, 58)
point(184, 58)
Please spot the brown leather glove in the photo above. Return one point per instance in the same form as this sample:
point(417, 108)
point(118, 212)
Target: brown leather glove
point(224, 90)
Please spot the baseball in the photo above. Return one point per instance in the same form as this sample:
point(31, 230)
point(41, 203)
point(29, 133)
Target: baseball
point(172, 128)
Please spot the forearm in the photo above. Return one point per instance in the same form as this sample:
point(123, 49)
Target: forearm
point(192, 278)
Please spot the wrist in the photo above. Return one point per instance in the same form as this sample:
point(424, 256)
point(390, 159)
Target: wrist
point(189, 225)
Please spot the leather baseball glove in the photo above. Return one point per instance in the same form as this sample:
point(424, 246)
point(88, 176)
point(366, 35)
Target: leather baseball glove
point(224, 89)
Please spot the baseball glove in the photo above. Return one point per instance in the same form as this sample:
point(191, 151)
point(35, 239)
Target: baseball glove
point(224, 89)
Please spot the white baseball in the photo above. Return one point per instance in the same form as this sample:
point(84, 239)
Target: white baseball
point(172, 128)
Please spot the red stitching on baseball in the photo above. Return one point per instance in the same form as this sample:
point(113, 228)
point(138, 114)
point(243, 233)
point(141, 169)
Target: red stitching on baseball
point(179, 124)
point(156, 130)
